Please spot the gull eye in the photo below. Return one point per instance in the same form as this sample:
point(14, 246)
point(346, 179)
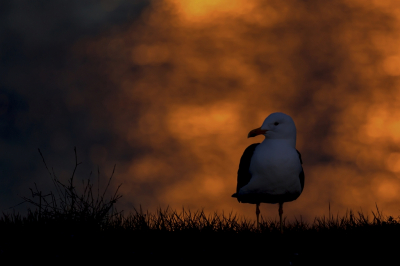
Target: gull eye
point(276, 123)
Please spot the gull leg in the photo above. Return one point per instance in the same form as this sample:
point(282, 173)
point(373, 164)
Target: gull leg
point(280, 214)
point(258, 213)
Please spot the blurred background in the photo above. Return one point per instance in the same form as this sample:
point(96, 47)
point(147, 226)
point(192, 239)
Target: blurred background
point(168, 90)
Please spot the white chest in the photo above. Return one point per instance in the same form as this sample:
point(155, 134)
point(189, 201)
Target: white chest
point(275, 168)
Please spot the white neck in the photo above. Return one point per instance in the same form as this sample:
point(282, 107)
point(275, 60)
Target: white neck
point(290, 142)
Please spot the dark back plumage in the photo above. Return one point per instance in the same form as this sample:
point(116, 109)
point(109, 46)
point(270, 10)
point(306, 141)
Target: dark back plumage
point(244, 175)
point(301, 175)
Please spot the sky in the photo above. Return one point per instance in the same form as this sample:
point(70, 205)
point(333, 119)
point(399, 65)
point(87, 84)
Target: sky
point(168, 90)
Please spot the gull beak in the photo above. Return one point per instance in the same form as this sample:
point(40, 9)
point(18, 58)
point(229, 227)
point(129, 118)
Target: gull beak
point(256, 132)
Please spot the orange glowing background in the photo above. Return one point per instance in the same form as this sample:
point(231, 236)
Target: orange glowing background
point(190, 78)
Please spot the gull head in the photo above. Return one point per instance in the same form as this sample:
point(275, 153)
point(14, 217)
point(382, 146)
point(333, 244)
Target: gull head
point(276, 126)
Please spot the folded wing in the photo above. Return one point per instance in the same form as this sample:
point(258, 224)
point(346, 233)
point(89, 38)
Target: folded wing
point(244, 175)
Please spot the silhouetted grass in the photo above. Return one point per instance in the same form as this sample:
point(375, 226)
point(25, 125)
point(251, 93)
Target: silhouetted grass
point(80, 228)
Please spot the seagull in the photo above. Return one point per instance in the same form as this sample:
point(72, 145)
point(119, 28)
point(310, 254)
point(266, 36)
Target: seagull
point(271, 171)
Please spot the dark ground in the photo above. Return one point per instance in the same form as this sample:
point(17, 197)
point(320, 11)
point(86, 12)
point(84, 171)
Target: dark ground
point(32, 245)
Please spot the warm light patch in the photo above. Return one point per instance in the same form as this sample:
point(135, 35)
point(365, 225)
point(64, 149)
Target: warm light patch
point(394, 129)
point(376, 123)
point(393, 162)
point(202, 7)
point(388, 190)
point(383, 3)
point(369, 159)
point(201, 10)
point(189, 122)
point(374, 129)
point(391, 65)
point(213, 186)
point(382, 124)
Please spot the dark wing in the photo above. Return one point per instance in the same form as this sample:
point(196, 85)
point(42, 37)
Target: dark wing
point(301, 175)
point(244, 176)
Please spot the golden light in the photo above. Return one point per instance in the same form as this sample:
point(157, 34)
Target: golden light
point(200, 10)
point(387, 190)
point(194, 76)
point(391, 65)
point(214, 186)
point(393, 162)
point(192, 122)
